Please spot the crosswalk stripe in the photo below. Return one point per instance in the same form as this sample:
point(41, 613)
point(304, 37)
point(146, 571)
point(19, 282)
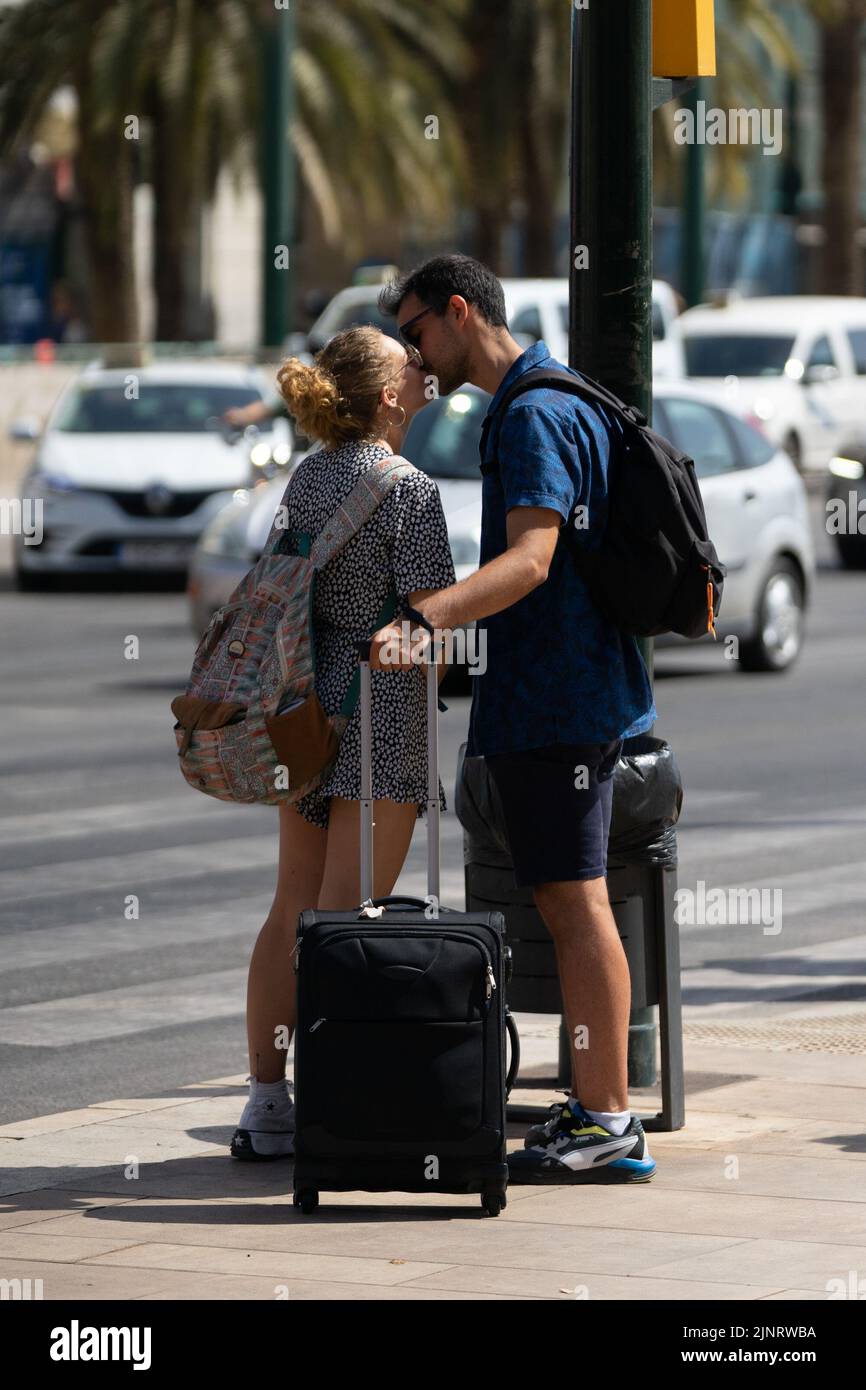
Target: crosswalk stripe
point(132, 872)
point(117, 1013)
point(49, 827)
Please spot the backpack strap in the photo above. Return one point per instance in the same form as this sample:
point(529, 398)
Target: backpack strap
point(555, 380)
point(358, 506)
point(385, 614)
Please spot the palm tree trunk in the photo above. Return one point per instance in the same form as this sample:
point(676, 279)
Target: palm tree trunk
point(841, 266)
point(104, 176)
point(485, 102)
point(539, 199)
point(176, 209)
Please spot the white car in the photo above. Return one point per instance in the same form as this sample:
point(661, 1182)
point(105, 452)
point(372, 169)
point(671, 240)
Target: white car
point(535, 309)
point(757, 517)
point(796, 362)
point(539, 309)
point(754, 498)
point(132, 465)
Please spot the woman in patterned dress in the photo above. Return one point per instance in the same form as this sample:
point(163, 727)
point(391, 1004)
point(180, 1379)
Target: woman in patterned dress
point(358, 400)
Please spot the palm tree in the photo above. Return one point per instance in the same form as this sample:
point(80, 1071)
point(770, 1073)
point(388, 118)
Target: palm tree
point(367, 74)
point(44, 45)
point(514, 99)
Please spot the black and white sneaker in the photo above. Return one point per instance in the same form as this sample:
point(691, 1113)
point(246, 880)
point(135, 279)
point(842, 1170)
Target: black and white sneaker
point(540, 1133)
point(573, 1148)
point(266, 1129)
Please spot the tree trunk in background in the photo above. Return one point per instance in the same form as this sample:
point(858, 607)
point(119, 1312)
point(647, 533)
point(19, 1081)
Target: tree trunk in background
point(176, 214)
point(104, 176)
point(541, 129)
point(539, 198)
point(485, 103)
point(841, 261)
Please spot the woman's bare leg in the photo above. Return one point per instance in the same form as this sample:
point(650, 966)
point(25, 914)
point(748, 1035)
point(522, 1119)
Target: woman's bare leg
point(394, 822)
point(271, 987)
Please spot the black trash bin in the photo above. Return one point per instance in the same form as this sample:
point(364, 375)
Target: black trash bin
point(641, 868)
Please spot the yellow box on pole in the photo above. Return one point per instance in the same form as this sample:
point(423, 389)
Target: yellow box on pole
point(684, 38)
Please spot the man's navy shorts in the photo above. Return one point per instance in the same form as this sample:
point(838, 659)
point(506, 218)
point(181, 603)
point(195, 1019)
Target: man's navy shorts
point(557, 803)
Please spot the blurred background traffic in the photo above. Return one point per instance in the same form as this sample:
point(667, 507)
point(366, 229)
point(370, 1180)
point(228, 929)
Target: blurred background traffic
point(138, 176)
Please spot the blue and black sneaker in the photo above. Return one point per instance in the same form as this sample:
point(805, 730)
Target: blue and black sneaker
point(572, 1147)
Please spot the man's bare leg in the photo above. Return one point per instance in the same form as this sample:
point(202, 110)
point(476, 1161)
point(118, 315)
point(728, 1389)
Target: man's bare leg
point(596, 988)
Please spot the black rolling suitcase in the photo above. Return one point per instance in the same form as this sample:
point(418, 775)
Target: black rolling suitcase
point(400, 1075)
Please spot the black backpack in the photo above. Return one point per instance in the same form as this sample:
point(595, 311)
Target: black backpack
point(656, 569)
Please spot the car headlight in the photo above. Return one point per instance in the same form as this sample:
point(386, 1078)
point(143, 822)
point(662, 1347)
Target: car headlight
point(846, 468)
point(41, 482)
point(465, 550)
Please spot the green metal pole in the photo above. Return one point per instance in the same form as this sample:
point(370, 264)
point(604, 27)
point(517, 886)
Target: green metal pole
point(694, 200)
point(277, 174)
point(610, 324)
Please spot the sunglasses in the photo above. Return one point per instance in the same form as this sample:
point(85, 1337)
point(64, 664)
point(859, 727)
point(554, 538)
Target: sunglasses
point(411, 340)
point(413, 359)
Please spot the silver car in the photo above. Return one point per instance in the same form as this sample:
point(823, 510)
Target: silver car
point(132, 466)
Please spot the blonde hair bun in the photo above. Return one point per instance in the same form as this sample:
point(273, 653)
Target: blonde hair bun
point(311, 395)
point(337, 398)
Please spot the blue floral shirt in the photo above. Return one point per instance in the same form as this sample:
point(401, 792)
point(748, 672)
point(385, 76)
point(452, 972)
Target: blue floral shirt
point(557, 671)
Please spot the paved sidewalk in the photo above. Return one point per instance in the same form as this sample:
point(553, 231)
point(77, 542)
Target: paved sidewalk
point(761, 1196)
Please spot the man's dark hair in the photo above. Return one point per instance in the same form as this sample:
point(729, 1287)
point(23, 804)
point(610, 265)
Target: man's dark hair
point(436, 280)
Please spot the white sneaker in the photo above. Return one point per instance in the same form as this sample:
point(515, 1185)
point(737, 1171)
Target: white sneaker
point(266, 1128)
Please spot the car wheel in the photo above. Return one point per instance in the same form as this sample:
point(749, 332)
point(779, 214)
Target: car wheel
point(793, 447)
point(779, 632)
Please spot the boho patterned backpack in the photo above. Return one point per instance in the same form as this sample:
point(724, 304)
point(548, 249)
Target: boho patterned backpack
point(250, 726)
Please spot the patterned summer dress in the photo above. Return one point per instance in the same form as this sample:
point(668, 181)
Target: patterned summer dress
point(404, 545)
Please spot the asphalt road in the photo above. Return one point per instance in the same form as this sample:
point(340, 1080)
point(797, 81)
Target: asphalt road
point(94, 1006)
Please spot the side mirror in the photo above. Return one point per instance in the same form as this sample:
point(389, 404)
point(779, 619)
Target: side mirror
point(815, 376)
point(26, 430)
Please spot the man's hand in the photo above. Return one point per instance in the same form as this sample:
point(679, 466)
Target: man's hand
point(398, 647)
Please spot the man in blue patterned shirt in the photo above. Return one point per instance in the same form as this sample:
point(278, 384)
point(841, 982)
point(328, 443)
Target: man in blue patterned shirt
point(562, 688)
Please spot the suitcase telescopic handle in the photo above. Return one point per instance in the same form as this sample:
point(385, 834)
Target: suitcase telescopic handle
point(433, 874)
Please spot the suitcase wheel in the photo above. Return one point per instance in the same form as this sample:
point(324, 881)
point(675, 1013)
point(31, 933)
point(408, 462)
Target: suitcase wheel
point(307, 1199)
point(494, 1202)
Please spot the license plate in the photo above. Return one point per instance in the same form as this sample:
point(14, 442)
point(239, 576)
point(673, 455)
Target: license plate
point(155, 554)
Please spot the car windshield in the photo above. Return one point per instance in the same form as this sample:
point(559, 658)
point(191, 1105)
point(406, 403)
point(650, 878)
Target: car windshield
point(443, 438)
point(157, 408)
point(339, 316)
point(737, 354)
